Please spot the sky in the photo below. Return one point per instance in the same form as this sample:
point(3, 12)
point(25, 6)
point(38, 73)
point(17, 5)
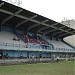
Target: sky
point(52, 9)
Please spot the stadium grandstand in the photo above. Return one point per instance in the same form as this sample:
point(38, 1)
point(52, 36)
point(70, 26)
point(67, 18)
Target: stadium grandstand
point(24, 34)
point(71, 24)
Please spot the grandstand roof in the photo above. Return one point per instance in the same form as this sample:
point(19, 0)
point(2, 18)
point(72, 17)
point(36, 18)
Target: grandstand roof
point(20, 18)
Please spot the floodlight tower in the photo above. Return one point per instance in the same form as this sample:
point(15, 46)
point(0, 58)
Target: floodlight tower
point(16, 2)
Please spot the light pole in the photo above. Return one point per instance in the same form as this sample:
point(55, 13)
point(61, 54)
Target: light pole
point(17, 2)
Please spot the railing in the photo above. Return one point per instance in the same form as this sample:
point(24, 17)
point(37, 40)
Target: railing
point(11, 46)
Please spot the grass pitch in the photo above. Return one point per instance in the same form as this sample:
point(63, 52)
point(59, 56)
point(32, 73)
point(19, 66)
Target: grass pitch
point(61, 68)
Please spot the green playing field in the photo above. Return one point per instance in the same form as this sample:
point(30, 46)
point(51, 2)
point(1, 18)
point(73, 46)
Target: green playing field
point(61, 68)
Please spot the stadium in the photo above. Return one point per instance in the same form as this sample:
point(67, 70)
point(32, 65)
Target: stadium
point(27, 35)
point(31, 44)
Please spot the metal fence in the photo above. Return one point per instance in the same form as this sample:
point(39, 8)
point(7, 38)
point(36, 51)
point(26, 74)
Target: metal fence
point(35, 60)
point(12, 46)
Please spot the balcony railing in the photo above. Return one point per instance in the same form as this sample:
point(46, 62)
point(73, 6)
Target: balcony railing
point(11, 46)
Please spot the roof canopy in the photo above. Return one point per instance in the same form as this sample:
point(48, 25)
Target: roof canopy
point(25, 20)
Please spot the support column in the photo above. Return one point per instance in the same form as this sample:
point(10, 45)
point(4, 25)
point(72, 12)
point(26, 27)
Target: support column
point(0, 27)
point(56, 38)
point(27, 54)
point(50, 37)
